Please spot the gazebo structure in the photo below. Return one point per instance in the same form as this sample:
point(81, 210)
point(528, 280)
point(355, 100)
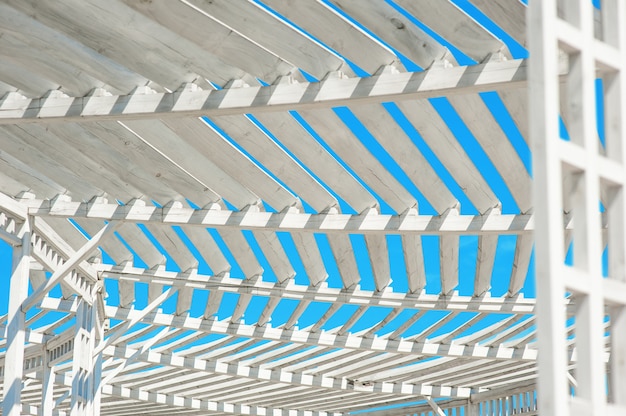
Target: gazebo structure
point(311, 208)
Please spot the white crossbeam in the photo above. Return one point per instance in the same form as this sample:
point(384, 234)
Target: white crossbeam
point(319, 338)
point(16, 331)
point(492, 222)
point(72, 262)
point(119, 330)
point(280, 97)
point(294, 378)
point(180, 401)
point(9, 238)
point(320, 293)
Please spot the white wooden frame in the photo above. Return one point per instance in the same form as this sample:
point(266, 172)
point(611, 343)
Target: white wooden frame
point(571, 30)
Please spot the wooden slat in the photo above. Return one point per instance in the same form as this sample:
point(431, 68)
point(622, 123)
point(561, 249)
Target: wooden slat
point(113, 246)
point(100, 145)
point(336, 32)
point(477, 117)
point(414, 262)
point(396, 30)
point(213, 303)
point(487, 245)
point(449, 151)
point(521, 261)
point(72, 147)
point(38, 48)
point(242, 252)
point(269, 308)
point(344, 256)
point(35, 151)
point(516, 102)
point(269, 155)
point(17, 176)
point(297, 313)
point(208, 248)
point(17, 78)
point(348, 147)
point(240, 308)
point(275, 254)
point(291, 134)
point(399, 146)
point(352, 320)
point(186, 156)
point(449, 262)
point(269, 33)
point(235, 164)
point(379, 260)
point(176, 248)
point(138, 43)
point(509, 15)
point(311, 258)
point(456, 27)
point(215, 28)
point(169, 183)
point(126, 293)
point(140, 244)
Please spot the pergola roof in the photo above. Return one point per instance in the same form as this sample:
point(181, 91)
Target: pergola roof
point(262, 180)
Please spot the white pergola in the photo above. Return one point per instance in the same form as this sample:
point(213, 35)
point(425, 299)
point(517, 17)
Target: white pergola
point(264, 207)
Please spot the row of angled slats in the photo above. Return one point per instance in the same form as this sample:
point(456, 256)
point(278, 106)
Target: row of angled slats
point(332, 363)
point(273, 251)
point(170, 43)
point(457, 27)
point(178, 159)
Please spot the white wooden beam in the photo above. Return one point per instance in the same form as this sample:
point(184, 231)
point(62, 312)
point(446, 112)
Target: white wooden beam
point(50, 260)
point(179, 401)
point(320, 338)
point(320, 293)
point(547, 194)
point(16, 331)
point(281, 97)
point(119, 330)
point(72, 262)
point(285, 377)
point(491, 222)
point(9, 238)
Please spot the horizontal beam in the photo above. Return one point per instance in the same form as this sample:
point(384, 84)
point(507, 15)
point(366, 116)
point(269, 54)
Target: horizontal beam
point(293, 220)
point(304, 337)
point(9, 238)
point(189, 402)
point(320, 293)
point(284, 377)
point(191, 101)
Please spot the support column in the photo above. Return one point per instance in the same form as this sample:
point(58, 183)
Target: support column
point(47, 393)
point(16, 333)
point(547, 195)
point(595, 171)
point(84, 383)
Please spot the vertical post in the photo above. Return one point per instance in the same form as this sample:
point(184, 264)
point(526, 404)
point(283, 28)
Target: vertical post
point(86, 366)
point(547, 194)
point(81, 361)
point(47, 398)
point(472, 409)
point(585, 203)
point(16, 332)
point(614, 26)
point(97, 335)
